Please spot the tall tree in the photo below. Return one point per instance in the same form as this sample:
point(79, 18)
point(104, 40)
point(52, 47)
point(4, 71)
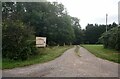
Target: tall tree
point(77, 30)
point(93, 32)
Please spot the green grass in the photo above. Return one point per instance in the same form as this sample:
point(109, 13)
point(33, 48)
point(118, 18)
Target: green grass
point(48, 53)
point(101, 52)
point(77, 50)
point(0, 63)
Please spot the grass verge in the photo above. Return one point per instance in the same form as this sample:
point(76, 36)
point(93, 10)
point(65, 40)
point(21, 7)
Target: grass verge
point(1, 63)
point(77, 50)
point(101, 52)
point(48, 53)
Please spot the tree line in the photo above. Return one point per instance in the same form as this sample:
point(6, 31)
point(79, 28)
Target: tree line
point(92, 33)
point(96, 34)
point(111, 39)
point(23, 21)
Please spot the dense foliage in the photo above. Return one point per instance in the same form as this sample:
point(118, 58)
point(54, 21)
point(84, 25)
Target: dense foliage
point(17, 41)
point(92, 32)
point(111, 39)
point(77, 31)
point(23, 21)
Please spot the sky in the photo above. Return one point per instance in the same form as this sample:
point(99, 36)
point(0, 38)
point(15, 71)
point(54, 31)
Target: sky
point(92, 11)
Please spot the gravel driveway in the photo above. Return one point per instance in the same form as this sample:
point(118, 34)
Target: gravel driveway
point(68, 65)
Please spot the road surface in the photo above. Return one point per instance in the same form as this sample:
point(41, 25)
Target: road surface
point(68, 65)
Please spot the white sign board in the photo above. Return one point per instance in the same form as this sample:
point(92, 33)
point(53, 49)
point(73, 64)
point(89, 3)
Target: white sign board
point(40, 41)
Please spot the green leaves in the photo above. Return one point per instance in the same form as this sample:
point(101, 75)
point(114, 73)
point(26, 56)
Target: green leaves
point(17, 41)
point(23, 21)
point(94, 32)
point(50, 20)
point(111, 39)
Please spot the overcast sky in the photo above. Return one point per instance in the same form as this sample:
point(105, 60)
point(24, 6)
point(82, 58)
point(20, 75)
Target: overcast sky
point(92, 11)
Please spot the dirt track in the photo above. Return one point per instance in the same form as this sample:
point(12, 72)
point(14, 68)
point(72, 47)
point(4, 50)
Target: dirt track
point(68, 65)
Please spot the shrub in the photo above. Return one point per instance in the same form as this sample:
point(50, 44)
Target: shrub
point(111, 39)
point(17, 41)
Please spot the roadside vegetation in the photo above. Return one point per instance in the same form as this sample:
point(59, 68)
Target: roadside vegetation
point(0, 64)
point(37, 19)
point(111, 39)
point(50, 20)
point(46, 54)
point(105, 53)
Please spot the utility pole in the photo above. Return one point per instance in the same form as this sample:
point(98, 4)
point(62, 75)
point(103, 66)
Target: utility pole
point(119, 13)
point(106, 21)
